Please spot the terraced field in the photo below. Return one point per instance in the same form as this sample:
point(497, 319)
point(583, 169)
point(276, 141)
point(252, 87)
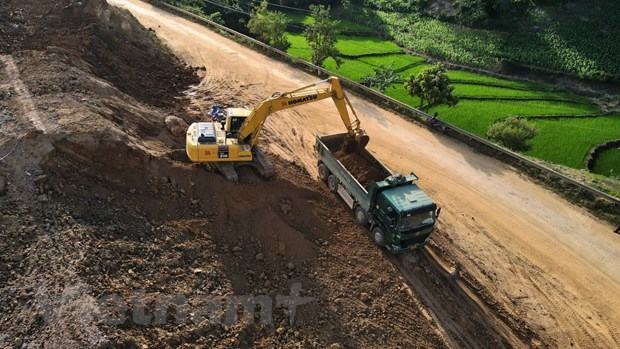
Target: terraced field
point(608, 163)
point(569, 125)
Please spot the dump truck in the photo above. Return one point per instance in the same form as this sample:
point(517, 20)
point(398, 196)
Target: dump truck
point(398, 214)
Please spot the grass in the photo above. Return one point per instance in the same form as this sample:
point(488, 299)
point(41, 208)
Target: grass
point(568, 141)
point(475, 78)
point(477, 116)
point(395, 61)
point(608, 163)
point(492, 91)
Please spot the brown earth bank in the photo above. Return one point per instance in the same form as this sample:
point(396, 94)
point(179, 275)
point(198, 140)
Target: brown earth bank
point(105, 241)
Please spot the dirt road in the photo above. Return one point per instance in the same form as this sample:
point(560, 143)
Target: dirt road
point(541, 258)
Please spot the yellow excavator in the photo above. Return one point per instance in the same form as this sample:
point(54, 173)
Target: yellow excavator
point(231, 139)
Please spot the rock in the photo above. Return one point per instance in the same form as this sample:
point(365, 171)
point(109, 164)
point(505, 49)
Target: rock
point(176, 125)
point(290, 266)
point(260, 257)
point(42, 198)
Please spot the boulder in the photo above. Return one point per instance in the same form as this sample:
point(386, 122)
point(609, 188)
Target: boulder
point(176, 125)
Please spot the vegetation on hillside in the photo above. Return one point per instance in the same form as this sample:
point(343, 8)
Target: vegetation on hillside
point(269, 26)
point(322, 35)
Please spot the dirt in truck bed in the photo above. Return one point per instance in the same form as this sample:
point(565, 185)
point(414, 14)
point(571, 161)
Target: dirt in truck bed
point(363, 170)
point(106, 242)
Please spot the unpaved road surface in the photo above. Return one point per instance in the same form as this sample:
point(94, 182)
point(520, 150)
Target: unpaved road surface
point(537, 257)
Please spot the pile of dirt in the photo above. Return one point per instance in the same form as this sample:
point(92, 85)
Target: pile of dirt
point(361, 168)
point(95, 32)
point(108, 243)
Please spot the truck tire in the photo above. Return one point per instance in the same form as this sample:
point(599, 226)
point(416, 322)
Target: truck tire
point(332, 183)
point(323, 172)
point(361, 216)
point(377, 236)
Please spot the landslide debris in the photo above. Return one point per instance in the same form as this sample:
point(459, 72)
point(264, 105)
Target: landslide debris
point(97, 222)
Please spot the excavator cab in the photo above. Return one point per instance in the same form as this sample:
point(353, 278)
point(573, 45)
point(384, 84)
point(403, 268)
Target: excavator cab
point(235, 117)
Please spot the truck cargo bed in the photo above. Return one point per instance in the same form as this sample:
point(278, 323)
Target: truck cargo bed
point(362, 165)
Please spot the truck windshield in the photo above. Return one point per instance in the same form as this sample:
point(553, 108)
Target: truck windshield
point(416, 220)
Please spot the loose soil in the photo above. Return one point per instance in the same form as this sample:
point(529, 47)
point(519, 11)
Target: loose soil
point(363, 170)
point(94, 212)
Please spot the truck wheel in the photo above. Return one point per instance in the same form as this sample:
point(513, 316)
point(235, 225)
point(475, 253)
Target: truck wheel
point(332, 183)
point(377, 236)
point(361, 216)
point(323, 172)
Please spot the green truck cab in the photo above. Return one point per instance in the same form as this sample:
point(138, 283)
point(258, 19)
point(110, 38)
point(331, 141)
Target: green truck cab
point(397, 213)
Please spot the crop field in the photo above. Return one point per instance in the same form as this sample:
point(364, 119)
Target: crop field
point(563, 38)
point(572, 128)
point(568, 141)
point(608, 163)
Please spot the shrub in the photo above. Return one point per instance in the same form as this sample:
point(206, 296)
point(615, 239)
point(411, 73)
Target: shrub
point(512, 133)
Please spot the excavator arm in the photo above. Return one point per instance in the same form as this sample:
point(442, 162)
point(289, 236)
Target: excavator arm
point(250, 130)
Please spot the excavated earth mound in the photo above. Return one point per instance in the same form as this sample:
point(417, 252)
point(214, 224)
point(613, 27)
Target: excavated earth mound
point(106, 242)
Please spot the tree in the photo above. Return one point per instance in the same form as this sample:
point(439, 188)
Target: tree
point(432, 86)
point(381, 78)
point(512, 133)
point(322, 35)
point(269, 26)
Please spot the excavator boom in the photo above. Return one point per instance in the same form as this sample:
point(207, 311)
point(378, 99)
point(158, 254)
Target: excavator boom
point(250, 130)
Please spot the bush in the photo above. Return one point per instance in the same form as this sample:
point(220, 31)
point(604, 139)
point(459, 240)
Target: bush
point(512, 133)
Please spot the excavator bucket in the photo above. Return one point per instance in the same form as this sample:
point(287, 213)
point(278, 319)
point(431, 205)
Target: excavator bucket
point(357, 143)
